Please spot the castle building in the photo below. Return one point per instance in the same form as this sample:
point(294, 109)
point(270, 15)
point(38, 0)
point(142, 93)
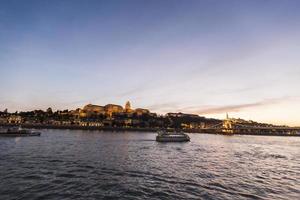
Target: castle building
point(91, 109)
point(141, 111)
point(109, 110)
point(112, 108)
point(128, 107)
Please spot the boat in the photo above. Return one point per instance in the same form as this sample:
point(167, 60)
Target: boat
point(164, 136)
point(18, 132)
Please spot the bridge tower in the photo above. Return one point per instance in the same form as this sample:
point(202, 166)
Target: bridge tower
point(227, 125)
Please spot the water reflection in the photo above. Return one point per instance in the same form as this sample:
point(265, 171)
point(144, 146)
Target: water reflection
point(65, 164)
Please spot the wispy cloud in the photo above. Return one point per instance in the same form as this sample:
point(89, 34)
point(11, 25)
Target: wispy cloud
point(164, 107)
point(237, 107)
point(245, 89)
point(215, 109)
point(229, 108)
point(134, 91)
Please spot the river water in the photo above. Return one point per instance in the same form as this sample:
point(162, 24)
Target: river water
point(68, 164)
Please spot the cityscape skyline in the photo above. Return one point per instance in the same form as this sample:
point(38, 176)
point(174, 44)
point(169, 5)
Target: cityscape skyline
point(110, 108)
point(199, 57)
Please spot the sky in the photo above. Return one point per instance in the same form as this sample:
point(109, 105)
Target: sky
point(194, 56)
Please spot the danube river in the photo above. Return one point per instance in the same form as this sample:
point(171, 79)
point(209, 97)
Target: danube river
point(65, 164)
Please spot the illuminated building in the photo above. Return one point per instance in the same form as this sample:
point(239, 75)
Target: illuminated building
point(128, 107)
point(109, 110)
point(91, 109)
point(14, 119)
point(141, 111)
point(3, 120)
point(112, 108)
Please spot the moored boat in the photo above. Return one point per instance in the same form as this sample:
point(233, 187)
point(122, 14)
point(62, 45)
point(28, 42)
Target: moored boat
point(17, 132)
point(164, 136)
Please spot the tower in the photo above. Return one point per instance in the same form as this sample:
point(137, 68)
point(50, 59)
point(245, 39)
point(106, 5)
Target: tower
point(127, 106)
point(227, 125)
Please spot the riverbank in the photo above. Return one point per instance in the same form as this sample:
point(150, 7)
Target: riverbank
point(77, 127)
point(135, 129)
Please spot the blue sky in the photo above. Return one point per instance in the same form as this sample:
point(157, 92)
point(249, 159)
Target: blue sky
point(202, 57)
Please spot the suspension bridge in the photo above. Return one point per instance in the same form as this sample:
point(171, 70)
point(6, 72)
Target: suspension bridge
point(231, 126)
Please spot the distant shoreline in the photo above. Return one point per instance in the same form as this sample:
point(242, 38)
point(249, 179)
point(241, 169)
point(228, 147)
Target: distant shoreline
point(76, 127)
point(134, 129)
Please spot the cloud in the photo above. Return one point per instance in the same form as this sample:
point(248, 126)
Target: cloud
point(164, 107)
point(238, 107)
point(136, 90)
point(229, 108)
point(213, 109)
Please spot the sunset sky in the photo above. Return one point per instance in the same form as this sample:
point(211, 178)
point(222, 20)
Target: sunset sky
point(194, 56)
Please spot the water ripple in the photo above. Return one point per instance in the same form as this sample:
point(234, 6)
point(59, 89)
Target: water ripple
point(76, 165)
